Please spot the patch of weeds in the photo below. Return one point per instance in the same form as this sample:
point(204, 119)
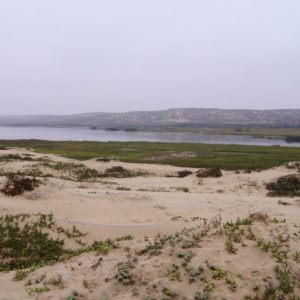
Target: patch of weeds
point(183, 189)
point(72, 171)
point(277, 248)
point(231, 282)
point(259, 217)
point(229, 246)
point(283, 275)
point(20, 275)
point(250, 235)
point(57, 281)
point(188, 244)
point(277, 221)
point(209, 287)
point(128, 237)
point(37, 290)
point(186, 256)
point(120, 172)
point(202, 296)
point(219, 273)
point(151, 249)
point(28, 241)
point(25, 242)
point(103, 247)
point(173, 272)
point(12, 157)
point(194, 272)
point(74, 233)
point(124, 275)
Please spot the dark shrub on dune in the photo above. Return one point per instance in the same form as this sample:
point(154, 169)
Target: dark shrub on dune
point(17, 185)
point(212, 172)
point(117, 171)
point(286, 186)
point(184, 173)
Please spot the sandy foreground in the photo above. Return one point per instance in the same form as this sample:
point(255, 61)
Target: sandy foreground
point(153, 204)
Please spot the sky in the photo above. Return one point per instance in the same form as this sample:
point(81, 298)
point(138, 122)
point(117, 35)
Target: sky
point(74, 56)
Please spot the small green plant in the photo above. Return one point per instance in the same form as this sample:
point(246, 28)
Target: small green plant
point(229, 246)
point(188, 244)
point(194, 272)
point(219, 273)
point(250, 235)
point(20, 275)
point(186, 256)
point(209, 287)
point(202, 296)
point(103, 247)
point(37, 290)
point(128, 237)
point(231, 282)
point(151, 249)
point(283, 275)
point(173, 272)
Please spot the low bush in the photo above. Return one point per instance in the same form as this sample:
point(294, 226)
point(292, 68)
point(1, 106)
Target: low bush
point(288, 186)
point(119, 172)
point(212, 172)
point(103, 159)
point(184, 173)
point(17, 185)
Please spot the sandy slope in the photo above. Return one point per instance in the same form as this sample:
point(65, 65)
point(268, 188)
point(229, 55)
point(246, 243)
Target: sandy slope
point(147, 208)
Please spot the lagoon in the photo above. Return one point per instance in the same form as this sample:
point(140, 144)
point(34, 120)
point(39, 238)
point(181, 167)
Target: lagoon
point(86, 134)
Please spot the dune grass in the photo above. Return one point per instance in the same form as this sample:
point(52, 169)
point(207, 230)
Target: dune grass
point(227, 157)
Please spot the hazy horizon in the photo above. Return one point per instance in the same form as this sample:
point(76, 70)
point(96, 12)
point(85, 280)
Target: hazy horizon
point(130, 111)
point(68, 57)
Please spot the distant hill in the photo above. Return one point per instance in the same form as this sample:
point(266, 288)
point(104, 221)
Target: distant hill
point(181, 117)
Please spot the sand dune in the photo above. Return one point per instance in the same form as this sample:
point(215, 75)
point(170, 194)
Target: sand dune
point(146, 206)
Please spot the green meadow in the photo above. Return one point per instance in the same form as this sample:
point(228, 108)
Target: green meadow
point(228, 157)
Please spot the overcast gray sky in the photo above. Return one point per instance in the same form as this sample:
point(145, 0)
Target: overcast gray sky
point(72, 56)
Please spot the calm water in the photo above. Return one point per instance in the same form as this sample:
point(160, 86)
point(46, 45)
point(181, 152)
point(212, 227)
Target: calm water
point(85, 134)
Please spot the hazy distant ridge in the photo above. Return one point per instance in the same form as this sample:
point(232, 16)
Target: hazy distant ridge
point(170, 117)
